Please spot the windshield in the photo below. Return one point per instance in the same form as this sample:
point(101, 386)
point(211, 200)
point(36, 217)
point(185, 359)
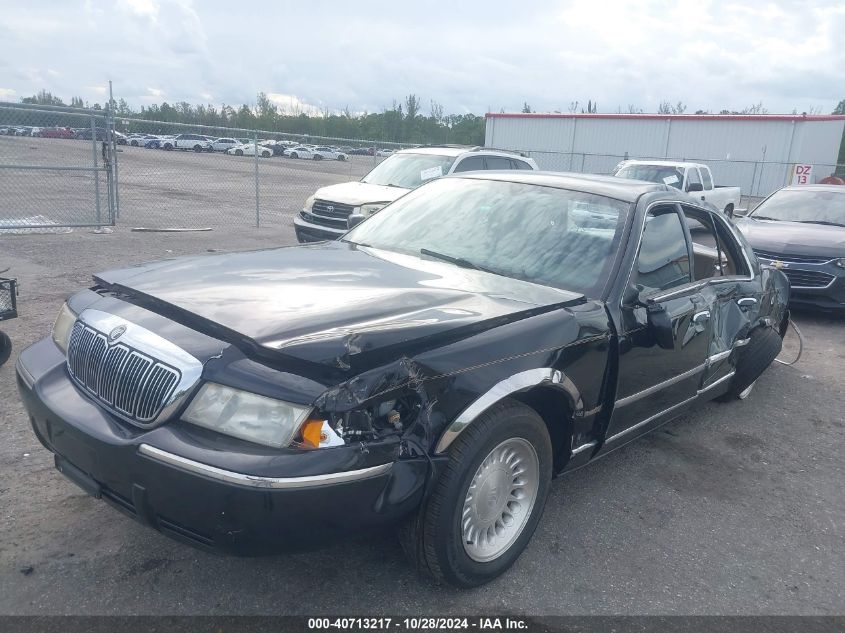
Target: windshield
point(807, 205)
point(409, 170)
point(565, 239)
point(660, 174)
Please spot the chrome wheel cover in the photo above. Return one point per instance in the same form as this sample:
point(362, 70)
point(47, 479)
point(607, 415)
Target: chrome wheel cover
point(500, 499)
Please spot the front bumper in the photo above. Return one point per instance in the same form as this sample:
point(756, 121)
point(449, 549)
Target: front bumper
point(310, 232)
point(830, 297)
point(205, 489)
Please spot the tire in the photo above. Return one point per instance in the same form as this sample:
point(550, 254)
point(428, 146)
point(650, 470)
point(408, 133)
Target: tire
point(294, 155)
point(763, 348)
point(209, 149)
point(729, 211)
point(341, 158)
point(316, 157)
point(5, 347)
point(266, 154)
point(168, 146)
point(239, 152)
point(197, 148)
point(435, 539)
point(133, 143)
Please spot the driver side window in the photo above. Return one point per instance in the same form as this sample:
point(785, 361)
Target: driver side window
point(663, 261)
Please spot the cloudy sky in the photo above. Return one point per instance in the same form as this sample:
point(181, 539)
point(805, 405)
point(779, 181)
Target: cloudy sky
point(469, 56)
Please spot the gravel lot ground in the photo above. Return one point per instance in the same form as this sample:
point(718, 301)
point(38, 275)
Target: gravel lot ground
point(163, 189)
point(732, 509)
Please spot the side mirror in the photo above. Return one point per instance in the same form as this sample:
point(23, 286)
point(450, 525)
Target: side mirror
point(695, 186)
point(354, 220)
point(660, 326)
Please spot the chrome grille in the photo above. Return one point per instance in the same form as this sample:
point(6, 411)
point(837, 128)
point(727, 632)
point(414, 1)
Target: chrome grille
point(796, 259)
point(807, 278)
point(130, 383)
point(331, 209)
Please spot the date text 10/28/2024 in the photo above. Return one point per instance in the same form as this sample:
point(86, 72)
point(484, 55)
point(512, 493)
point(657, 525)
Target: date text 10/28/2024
point(419, 623)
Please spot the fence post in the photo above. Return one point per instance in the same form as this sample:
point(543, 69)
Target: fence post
point(255, 156)
point(96, 169)
point(115, 206)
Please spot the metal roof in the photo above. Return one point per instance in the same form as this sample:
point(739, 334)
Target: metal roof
point(610, 186)
point(670, 117)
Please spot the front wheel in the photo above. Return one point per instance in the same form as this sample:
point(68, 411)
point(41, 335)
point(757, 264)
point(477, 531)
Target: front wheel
point(294, 155)
point(317, 157)
point(266, 154)
point(5, 347)
point(239, 152)
point(488, 501)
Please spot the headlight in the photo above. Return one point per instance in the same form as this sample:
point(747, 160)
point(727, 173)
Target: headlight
point(63, 326)
point(245, 415)
point(840, 262)
point(309, 203)
point(369, 209)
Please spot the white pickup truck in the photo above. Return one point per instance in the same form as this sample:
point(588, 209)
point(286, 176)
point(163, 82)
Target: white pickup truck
point(694, 178)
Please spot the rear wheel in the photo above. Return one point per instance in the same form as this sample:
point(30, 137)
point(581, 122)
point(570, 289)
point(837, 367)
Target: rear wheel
point(486, 504)
point(266, 154)
point(168, 146)
point(294, 155)
point(317, 157)
point(197, 148)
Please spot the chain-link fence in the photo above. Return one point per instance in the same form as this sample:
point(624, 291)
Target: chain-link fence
point(55, 168)
point(754, 178)
point(65, 167)
point(194, 176)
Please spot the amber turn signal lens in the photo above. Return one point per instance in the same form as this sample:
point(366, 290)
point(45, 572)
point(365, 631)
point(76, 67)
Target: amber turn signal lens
point(312, 431)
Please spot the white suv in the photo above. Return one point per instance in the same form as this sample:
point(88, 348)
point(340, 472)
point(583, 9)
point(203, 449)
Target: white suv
point(326, 213)
point(188, 141)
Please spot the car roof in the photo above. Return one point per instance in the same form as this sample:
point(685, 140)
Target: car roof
point(623, 189)
point(662, 163)
point(832, 188)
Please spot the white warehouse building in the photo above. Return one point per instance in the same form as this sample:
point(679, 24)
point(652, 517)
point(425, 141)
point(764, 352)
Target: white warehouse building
point(755, 152)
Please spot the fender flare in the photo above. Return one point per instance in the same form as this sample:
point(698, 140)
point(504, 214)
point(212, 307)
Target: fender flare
point(521, 381)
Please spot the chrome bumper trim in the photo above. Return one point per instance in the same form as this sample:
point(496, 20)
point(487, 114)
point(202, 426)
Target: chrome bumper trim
point(254, 481)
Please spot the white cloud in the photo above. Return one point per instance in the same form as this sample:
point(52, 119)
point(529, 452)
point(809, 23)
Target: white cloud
point(310, 56)
point(7, 94)
point(142, 8)
point(291, 104)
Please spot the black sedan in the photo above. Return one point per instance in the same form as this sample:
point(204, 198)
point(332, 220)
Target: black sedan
point(801, 231)
point(433, 369)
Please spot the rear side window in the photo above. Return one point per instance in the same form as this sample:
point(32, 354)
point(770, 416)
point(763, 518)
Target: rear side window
point(473, 163)
point(498, 162)
point(520, 164)
point(663, 260)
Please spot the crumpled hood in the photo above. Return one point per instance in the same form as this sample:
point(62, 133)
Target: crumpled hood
point(794, 238)
point(333, 303)
point(358, 193)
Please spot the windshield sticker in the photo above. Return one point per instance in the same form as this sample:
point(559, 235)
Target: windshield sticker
point(431, 172)
point(671, 180)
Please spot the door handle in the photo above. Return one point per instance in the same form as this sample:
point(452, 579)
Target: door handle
point(746, 302)
point(700, 318)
